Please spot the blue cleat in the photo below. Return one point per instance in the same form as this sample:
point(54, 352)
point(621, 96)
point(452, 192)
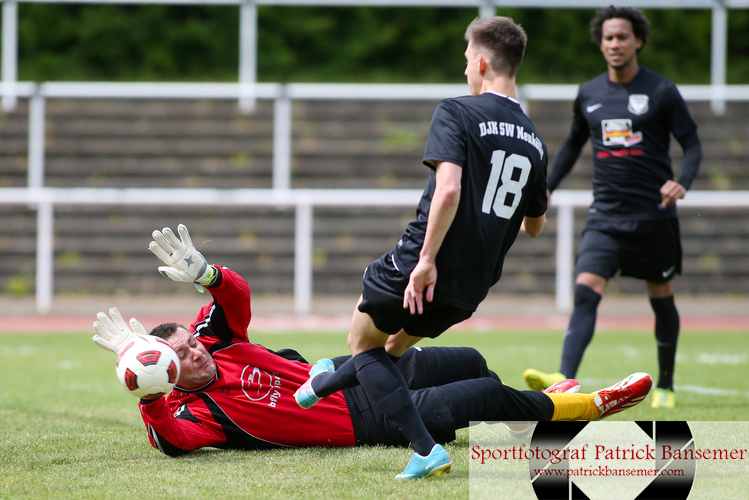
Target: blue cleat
point(322, 365)
point(305, 397)
point(434, 464)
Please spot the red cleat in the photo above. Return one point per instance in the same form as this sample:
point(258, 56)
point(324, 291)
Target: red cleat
point(568, 385)
point(624, 394)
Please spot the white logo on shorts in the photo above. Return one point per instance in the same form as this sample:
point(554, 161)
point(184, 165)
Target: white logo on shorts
point(668, 271)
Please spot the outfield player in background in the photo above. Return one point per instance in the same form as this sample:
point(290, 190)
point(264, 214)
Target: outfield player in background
point(487, 182)
point(628, 113)
point(235, 394)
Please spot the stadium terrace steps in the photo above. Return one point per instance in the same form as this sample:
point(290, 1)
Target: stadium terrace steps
point(345, 144)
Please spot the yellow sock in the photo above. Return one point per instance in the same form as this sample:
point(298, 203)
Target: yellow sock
point(574, 406)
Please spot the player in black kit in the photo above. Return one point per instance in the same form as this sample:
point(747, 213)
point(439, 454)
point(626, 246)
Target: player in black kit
point(487, 182)
point(628, 113)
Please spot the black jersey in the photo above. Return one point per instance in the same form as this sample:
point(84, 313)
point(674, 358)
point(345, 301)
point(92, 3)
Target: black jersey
point(503, 179)
point(629, 126)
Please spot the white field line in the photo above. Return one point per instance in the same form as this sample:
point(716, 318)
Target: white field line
point(710, 391)
point(694, 389)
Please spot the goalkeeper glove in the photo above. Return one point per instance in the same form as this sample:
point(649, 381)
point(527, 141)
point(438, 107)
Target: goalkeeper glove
point(183, 262)
point(114, 334)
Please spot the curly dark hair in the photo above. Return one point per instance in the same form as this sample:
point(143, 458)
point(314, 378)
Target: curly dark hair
point(640, 23)
point(166, 330)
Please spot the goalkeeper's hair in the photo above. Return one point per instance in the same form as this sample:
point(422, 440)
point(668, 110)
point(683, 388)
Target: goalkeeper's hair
point(640, 23)
point(166, 330)
point(501, 40)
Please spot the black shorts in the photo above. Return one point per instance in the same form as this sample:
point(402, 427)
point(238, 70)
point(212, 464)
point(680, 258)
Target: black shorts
point(382, 299)
point(425, 370)
point(649, 250)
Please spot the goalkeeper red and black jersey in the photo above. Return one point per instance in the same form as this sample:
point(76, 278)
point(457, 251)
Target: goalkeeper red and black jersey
point(249, 404)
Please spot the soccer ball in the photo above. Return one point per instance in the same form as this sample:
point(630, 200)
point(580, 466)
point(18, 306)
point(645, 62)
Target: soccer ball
point(148, 367)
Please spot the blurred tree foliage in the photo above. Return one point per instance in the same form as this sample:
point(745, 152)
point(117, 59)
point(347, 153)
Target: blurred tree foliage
point(126, 42)
point(90, 42)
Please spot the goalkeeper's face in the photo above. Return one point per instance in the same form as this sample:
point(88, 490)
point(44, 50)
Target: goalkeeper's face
point(197, 367)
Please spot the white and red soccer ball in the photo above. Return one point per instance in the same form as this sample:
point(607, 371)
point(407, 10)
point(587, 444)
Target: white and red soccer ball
point(148, 367)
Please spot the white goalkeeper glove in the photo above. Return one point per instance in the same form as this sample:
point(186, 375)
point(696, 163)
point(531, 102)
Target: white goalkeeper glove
point(114, 334)
point(183, 262)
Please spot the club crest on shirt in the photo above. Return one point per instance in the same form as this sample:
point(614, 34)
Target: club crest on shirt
point(638, 104)
point(618, 132)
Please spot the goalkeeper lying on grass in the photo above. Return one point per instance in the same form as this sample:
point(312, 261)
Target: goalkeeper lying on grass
point(235, 394)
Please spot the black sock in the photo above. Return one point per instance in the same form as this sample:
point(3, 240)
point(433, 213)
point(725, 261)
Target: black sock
point(666, 337)
point(580, 331)
point(485, 399)
point(344, 377)
point(385, 385)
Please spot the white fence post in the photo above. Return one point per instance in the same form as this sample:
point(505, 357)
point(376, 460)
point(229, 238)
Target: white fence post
point(565, 265)
point(282, 142)
point(247, 55)
point(37, 114)
point(45, 251)
point(10, 54)
point(719, 47)
point(303, 258)
point(487, 10)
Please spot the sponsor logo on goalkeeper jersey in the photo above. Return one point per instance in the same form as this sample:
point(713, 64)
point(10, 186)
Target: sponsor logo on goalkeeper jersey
point(260, 385)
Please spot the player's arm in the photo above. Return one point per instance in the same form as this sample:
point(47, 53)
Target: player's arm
point(672, 191)
point(175, 435)
point(230, 312)
point(532, 226)
point(441, 215)
point(540, 201)
point(684, 129)
point(570, 149)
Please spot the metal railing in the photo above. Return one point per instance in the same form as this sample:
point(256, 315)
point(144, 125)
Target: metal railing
point(565, 202)
point(303, 200)
point(248, 30)
point(283, 95)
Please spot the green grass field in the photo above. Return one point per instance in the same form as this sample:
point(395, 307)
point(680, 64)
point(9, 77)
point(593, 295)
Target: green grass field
point(69, 430)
